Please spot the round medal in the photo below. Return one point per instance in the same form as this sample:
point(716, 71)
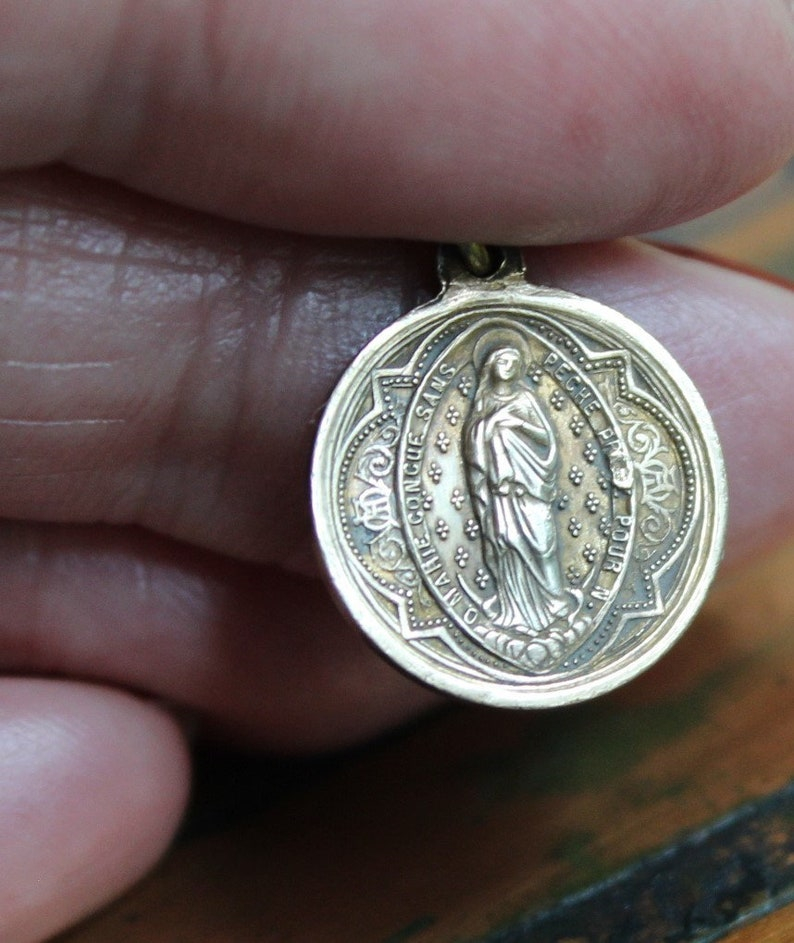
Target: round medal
point(518, 494)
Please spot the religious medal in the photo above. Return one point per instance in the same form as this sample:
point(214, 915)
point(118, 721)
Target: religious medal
point(518, 494)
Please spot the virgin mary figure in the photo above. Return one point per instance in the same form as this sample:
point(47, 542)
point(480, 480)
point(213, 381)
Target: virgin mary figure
point(512, 464)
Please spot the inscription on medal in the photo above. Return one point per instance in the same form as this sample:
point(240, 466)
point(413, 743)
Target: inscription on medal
point(517, 502)
point(502, 431)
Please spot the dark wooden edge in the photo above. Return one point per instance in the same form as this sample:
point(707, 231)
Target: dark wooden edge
point(712, 881)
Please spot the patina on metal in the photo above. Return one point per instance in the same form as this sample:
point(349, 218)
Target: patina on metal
point(518, 494)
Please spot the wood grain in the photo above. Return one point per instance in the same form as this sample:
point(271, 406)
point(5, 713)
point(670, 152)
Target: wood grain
point(777, 927)
point(478, 818)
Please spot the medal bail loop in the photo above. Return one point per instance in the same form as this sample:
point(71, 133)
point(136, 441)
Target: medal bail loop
point(476, 262)
point(480, 260)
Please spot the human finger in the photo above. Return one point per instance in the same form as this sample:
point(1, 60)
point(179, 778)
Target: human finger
point(93, 785)
point(151, 354)
point(504, 122)
point(162, 370)
point(267, 654)
point(262, 656)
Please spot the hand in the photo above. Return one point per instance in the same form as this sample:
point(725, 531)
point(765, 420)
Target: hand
point(162, 368)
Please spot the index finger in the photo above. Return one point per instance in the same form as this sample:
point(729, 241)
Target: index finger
point(555, 121)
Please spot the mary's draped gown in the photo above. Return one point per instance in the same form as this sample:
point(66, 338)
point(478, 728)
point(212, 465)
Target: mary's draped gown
point(512, 461)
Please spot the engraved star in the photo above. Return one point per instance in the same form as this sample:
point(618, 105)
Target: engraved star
point(471, 529)
point(465, 385)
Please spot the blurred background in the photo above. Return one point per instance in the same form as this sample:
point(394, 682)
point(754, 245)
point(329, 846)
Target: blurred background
point(755, 230)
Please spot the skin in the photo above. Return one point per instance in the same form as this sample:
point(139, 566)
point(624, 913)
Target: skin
point(179, 293)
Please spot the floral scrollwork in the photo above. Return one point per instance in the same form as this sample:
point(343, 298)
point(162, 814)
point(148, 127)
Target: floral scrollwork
point(376, 462)
point(388, 549)
point(389, 553)
point(659, 477)
point(373, 507)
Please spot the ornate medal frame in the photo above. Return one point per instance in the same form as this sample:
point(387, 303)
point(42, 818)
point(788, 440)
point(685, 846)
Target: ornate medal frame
point(518, 494)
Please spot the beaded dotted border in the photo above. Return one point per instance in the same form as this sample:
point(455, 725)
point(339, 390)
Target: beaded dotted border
point(558, 339)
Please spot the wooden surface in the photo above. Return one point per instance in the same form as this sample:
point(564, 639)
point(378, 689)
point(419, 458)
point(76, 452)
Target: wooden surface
point(772, 928)
point(477, 819)
point(662, 813)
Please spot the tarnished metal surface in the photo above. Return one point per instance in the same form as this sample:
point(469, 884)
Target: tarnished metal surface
point(519, 495)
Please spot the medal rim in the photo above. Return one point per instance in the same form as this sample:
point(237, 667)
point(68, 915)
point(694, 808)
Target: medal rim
point(536, 691)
